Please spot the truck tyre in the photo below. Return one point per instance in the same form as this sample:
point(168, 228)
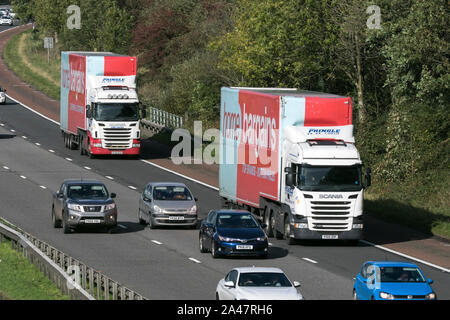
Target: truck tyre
point(268, 222)
point(287, 231)
point(82, 150)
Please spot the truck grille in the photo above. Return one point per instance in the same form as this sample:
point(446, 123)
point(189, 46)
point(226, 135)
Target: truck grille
point(117, 138)
point(330, 215)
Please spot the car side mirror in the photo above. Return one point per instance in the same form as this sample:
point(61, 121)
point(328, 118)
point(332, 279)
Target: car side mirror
point(430, 281)
point(296, 284)
point(113, 195)
point(60, 195)
point(229, 284)
point(146, 199)
point(195, 199)
point(263, 225)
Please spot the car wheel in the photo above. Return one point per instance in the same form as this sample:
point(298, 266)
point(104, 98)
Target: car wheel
point(151, 223)
point(214, 253)
point(355, 295)
point(201, 245)
point(287, 231)
point(268, 222)
point(66, 228)
point(217, 296)
point(141, 221)
point(56, 222)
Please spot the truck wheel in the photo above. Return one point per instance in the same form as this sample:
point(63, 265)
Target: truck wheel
point(287, 231)
point(82, 150)
point(268, 222)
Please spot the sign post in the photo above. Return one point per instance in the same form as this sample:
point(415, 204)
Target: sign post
point(48, 44)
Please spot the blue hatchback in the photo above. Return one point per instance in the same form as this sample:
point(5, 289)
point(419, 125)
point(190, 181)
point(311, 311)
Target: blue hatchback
point(232, 232)
point(383, 280)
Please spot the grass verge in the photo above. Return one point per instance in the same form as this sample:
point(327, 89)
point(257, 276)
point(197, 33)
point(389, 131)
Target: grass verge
point(20, 280)
point(24, 54)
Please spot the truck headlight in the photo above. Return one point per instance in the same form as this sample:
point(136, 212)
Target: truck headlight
point(388, 296)
point(110, 206)
point(300, 225)
point(75, 207)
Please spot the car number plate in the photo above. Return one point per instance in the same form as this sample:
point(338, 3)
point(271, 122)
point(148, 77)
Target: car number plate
point(330, 236)
point(176, 218)
point(116, 152)
point(92, 221)
point(244, 247)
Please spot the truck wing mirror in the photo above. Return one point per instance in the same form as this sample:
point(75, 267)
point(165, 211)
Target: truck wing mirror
point(88, 111)
point(288, 170)
point(143, 112)
point(290, 180)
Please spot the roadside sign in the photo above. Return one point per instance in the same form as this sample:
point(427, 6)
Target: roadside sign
point(48, 43)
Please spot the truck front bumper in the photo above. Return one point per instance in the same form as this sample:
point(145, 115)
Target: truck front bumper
point(356, 233)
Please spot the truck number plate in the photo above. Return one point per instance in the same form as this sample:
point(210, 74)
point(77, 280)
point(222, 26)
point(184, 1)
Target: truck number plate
point(244, 247)
point(330, 236)
point(92, 221)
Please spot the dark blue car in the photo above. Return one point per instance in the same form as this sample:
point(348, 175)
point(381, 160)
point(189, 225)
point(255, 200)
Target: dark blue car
point(232, 232)
point(382, 280)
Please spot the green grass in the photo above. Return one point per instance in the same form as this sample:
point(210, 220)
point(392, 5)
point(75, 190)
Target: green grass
point(37, 56)
point(421, 203)
point(20, 280)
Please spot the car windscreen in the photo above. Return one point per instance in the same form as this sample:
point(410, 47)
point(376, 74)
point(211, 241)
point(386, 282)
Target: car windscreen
point(401, 274)
point(87, 191)
point(236, 221)
point(263, 279)
point(171, 193)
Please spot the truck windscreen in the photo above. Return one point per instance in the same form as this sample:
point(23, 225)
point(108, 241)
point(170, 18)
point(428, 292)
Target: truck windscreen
point(116, 112)
point(329, 178)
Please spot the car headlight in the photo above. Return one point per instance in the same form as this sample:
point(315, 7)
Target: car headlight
point(157, 210)
point(262, 238)
point(110, 206)
point(75, 207)
point(226, 239)
point(193, 210)
point(388, 296)
point(431, 296)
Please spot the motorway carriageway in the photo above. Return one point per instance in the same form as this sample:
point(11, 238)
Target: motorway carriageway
point(161, 263)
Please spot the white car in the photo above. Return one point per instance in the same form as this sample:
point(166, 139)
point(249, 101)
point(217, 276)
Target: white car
point(6, 20)
point(2, 95)
point(255, 283)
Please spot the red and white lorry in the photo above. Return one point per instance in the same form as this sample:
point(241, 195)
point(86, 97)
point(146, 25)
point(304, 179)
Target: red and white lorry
point(289, 157)
point(99, 111)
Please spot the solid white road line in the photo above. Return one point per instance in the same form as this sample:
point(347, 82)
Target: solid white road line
point(406, 256)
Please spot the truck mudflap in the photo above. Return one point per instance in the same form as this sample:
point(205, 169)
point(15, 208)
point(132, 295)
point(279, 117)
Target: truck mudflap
point(306, 234)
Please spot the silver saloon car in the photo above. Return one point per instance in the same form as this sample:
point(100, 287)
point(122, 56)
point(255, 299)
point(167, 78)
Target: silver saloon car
point(167, 204)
